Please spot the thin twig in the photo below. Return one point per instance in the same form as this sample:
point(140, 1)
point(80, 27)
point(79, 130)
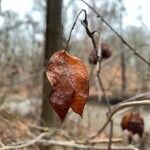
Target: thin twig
point(110, 134)
point(72, 144)
point(73, 27)
point(133, 98)
point(2, 144)
point(98, 141)
point(89, 33)
point(99, 58)
point(28, 143)
point(136, 97)
point(119, 107)
point(40, 128)
point(105, 97)
point(48, 129)
point(121, 38)
point(103, 89)
point(82, 146)
point(103, 14)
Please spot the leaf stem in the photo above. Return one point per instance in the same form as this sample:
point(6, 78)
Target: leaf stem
point(73, 27)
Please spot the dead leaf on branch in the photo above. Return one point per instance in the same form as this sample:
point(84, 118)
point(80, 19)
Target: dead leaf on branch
point(70, 83)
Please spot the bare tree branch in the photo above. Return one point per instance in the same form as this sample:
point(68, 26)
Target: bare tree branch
point(28, 143)
point(121, 38)
point(72, 144)
point(74, 26)
point(119, 107)
point(81, 146)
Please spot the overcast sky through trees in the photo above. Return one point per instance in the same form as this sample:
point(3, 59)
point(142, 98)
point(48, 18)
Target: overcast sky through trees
point(135, 9)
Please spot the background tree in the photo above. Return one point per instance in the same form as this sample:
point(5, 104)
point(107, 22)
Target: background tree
point(53, 42)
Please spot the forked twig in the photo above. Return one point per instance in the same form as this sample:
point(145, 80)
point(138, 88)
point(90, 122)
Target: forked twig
point(120, 37)
point(99, 61)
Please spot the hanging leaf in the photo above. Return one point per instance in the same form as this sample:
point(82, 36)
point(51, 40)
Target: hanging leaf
point(70, 83)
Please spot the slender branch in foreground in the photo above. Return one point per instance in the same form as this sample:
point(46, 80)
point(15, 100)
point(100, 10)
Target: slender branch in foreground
point(82, 146)
point(26, 144)
point(121, 38)
point(2, 144)
point(107, 101)
point(110, 134)
point(137, 96)
point(118, 108)
point(89, 33)
point(99, 58)
point(105, 96)
point(72, 144)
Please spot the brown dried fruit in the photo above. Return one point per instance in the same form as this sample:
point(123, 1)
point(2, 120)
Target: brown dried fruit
point(70, 83)
point(106, 50)
point(134, 123)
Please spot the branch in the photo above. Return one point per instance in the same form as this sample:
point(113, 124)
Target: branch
point(105, 96)
point(2, 144)
point(28, 143)
point(105, 141)
point(89, 33)
point(72, 144)
point(73, 27)
point(136, 97)
point(121, 38)
point(129, 104)
point(82, 146)
point(118, 108)
point(99, 60)
point(60, 132)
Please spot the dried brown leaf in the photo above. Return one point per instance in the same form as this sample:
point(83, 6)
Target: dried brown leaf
point(70, 83)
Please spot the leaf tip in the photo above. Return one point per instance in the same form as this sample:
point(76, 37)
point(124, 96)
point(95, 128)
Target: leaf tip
point(81, 115)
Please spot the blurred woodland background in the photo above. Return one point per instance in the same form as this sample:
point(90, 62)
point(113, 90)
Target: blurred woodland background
point(26, 45)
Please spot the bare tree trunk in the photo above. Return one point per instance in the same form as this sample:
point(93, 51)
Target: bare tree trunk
point(123, 63)
point(53, 42)
point(123, 71)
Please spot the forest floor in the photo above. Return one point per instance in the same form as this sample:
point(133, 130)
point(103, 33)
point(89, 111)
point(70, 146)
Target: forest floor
point(17, 113)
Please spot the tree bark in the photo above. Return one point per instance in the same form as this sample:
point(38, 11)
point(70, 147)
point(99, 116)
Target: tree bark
point(53, 42)
point(123, 73)
point(123, 63)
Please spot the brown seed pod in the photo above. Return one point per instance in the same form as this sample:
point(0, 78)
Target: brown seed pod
point(134, 123)
point(106, 50)
point(92, 58)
